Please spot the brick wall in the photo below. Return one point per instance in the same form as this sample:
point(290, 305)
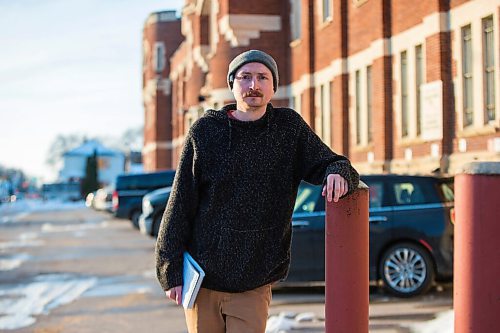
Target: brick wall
point(360, 34)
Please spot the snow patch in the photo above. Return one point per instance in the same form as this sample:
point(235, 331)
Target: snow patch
point(36, 205)
point(443, 323)
point(24, 240)
point(12, 262)
point(288, 321)
point(49, 227)
point(118, 286)
point(19, 304)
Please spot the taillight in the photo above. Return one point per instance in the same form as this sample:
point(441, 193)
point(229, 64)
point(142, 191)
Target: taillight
point(452, 215)
point(115, 201)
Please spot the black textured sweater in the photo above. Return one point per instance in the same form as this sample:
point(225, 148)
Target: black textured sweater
point(233, 197)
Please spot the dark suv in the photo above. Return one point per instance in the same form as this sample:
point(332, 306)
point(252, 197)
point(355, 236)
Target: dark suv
point(127, 197)
point(411, 233)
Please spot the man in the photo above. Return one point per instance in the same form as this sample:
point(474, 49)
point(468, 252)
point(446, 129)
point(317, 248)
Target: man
point(233, 198)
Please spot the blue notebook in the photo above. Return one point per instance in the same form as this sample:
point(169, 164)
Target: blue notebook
point(192, 276)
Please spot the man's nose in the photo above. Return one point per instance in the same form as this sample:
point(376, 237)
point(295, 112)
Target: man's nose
point(253, 83)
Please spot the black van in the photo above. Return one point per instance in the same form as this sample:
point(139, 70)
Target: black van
point(127, 197)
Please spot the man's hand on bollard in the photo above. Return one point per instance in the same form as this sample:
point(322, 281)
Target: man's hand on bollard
point(336, 186)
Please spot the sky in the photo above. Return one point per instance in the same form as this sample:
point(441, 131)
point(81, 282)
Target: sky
point(69, 67)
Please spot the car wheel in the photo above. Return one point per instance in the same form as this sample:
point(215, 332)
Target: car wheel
point(134, 218)
point(406, 270)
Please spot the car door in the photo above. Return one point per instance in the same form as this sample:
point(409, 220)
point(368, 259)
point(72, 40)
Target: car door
point(380, 219)
point(308, 236)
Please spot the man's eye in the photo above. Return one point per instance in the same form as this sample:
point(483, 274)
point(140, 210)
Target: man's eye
point(246, 77)
point(262, 77)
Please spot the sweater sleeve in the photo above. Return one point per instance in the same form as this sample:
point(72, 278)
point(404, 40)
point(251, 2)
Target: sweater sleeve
point(175, 228)
point(317, 160)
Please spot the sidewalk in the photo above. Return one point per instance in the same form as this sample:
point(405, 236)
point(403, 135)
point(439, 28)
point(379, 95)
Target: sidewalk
point(387, 314)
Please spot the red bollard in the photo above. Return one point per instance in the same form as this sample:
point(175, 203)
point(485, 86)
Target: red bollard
point(346, 264)
point(477, 251)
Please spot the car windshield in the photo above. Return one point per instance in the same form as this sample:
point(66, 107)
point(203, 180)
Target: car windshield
point(307, 198)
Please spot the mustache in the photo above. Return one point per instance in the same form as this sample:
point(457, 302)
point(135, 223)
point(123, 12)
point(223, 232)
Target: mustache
point(253, 93)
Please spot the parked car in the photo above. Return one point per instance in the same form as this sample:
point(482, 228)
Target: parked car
point(89, 199)
point(153, 206)
point(127, 197)
point(411, 233)
point(103, 199)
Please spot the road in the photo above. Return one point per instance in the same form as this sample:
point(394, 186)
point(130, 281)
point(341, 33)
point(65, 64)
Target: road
point(78, 270)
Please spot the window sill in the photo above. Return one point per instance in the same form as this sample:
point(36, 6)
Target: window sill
point(414, 140)
point(295, 43)
point(325, 23)
point(359, 3)
point(363, 148)
point(478, 131)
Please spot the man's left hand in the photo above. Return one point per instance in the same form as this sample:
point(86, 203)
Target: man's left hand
point(336, 186)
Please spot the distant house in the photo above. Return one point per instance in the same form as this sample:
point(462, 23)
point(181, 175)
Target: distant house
point(110, 163)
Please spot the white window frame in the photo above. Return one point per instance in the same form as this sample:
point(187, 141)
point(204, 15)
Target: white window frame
point(369, 104)
point(323, 117)
point(326, 113)
point(360, 115)
point(159, 55)
point(296, 103)
point(490, 69)
point(469, 75)
point(295, 19)
point(462, 17)
point(325, 15)
point(418, 83)
point(404, 93)
point(358, 107)
point(413, 132)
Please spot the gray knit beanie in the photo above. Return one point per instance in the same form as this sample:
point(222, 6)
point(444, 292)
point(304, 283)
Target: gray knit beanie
point(253, 56)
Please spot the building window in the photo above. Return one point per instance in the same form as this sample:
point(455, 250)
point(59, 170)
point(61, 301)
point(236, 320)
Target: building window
point(159, 57)
point(296, 103)
point(369, 104)
point(295, 18)
point(467, 75)
point(404, 94)
point(358, 106)
point(419, 79)
point(326, 113)
point(326, 10)
point(489, 69)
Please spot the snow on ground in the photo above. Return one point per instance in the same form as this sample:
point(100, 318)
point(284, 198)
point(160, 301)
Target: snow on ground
point(11, 262)
point(27, 239)
point(444, 323)
point(19, 304)
point(12, 211)
point(288, 322)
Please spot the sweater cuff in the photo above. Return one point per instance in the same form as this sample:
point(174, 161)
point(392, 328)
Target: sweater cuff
point(169, 279)
point(344, 169)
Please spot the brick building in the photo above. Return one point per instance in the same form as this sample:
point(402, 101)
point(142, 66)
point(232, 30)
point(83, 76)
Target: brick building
point(161, 37)
point(398, 86)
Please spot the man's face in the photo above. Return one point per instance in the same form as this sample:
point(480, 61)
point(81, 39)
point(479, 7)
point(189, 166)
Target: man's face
point(253, 86)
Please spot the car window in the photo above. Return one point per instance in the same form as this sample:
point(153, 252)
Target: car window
point(407, 193)
point(307, 199)
point(376, 194)
point(447, 191)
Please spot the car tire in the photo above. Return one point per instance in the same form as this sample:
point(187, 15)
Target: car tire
point(406, 270)
point(134, 218)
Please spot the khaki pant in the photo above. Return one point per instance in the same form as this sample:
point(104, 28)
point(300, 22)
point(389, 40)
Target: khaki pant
point(221, 312)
